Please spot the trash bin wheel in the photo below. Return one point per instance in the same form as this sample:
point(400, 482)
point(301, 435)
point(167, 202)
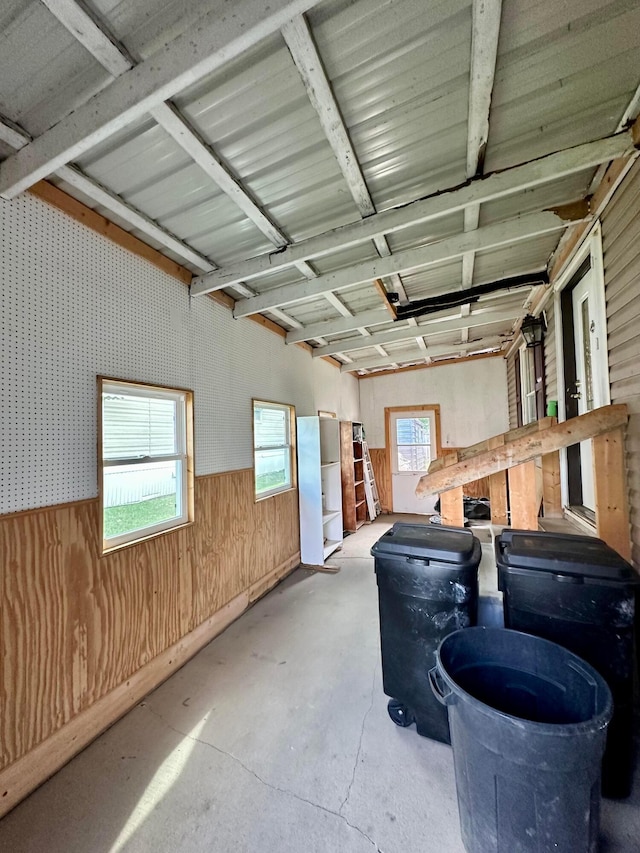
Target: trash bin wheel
point(399, 713)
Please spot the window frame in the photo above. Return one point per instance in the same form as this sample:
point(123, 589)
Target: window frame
point(291, 445)
point(528, 396)
point(430, 445)
point(184, 455)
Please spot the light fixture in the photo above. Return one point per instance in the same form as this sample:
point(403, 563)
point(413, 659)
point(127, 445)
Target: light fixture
point(533, 329)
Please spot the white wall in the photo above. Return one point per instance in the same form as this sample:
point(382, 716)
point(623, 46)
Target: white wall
point(75, 305)
point(336, 392)
point(472, 397)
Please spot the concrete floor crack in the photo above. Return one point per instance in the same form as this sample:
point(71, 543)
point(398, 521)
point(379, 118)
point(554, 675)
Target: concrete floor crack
point(359, 750)
point(262, 781)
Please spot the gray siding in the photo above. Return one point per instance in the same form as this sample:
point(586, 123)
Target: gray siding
point(550, 361)
point(511, 392)
point(621, 245)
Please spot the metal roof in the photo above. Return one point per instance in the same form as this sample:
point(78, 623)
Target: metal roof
point(354, 108)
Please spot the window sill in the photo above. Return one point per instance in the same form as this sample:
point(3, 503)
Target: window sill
point(105, 552)
point(260, 498)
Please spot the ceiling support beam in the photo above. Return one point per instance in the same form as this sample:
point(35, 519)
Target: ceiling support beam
point(94, 36)
point(169, 119)
point(484, 52)
point(496, 185)
point(91, 34)
point(309, 63)
point(213, 42)
point(17, 138)
point(418, 356)
point(406, 333)
point(488, 237)
point(374, 317)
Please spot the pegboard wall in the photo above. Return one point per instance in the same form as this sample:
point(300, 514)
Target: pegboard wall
point(75, 305)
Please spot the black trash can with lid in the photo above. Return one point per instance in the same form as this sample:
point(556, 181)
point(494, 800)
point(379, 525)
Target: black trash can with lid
point(580, 593)
point(427, 579)
point(528, 725)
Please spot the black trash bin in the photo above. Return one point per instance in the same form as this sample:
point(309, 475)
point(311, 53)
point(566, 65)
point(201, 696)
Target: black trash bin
point(577, 591)
point(528, 726)
point(427, 587)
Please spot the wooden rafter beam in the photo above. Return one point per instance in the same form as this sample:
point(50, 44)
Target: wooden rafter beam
point(405, 333)
point(417, 354)
point(487, 237)
point(523, 449)
point(17, 138)
point(484, 52)
point(497, 185)
point(92, 34)
point(168, 117)
point(194, 54)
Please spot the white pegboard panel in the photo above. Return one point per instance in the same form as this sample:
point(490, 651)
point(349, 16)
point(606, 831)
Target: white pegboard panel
point(75, 305)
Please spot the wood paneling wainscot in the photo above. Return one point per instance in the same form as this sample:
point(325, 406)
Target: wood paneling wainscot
point(85, 637)
point(381, 472)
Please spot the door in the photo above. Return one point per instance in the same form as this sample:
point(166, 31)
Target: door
point(413, 446)
point(590, 385)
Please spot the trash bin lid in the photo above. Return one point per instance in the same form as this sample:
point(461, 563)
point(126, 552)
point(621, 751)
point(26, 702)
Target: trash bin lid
point(565, 554)
point(428, 542)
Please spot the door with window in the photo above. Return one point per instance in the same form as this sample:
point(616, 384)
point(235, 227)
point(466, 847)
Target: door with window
point(413, 444)
point(589, 391)
point(582, 353)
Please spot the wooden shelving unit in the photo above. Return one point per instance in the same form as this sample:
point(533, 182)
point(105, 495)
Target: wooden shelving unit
point(354, 504)
point(319, 488)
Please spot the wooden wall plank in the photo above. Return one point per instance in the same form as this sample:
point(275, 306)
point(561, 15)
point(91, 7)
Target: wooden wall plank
point(523, 496)
point(75, 626)
point(551, 495)
point(612, 508)
point(381, 468)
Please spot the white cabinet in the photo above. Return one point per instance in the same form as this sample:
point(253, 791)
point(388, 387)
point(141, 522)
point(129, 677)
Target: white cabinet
point(319, 488)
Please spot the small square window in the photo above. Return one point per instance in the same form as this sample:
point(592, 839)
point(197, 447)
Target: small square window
point(273, 448)
point(146, 461)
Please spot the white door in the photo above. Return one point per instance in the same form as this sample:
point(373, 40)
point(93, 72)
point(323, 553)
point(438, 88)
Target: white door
point(591, 384)
point(413, 446)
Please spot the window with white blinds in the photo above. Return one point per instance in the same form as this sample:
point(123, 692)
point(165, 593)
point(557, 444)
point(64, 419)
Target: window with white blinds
point(146, 466)
point(273, 448)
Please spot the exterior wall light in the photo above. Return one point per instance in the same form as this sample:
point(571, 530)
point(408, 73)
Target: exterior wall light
point(533, 329)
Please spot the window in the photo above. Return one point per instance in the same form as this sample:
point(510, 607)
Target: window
point(273, 448)
point(528, 385)
point(413, 443)
point(146, 461)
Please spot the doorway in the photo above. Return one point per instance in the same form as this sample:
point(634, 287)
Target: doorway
point(413, 441)
point(585, 366)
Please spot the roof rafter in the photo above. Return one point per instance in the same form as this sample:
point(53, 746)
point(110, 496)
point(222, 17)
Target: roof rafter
point(92, 34)
point(374, 317)
point(484, 52)
point(432, 328)
point(487, 237)
point(188, 58)
point(418, 355)
point(95, 37)
point(168, 117)
point(497, 185)
point(308, 61)
point(17, 138)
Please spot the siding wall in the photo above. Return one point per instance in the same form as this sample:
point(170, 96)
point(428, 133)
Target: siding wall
point(77, 628)
point(621, 247)
point(551, 373)
point(511, 392)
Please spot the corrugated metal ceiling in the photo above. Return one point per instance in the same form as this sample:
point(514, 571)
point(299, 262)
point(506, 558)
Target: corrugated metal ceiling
point(399, 72)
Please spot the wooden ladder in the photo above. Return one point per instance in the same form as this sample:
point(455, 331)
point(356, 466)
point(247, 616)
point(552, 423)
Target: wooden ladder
point(370, 488)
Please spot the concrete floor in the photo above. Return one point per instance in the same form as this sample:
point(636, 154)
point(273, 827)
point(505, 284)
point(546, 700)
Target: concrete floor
point(275, 737)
